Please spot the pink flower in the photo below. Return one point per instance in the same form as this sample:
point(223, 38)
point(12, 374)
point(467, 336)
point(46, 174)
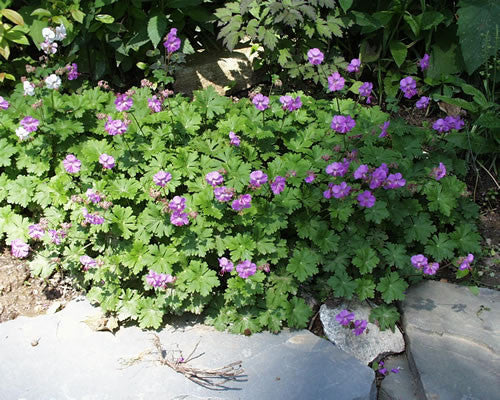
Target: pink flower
point(257, 178)
point(246, 269)
point(115, 126)
point(19, 249)
point(72, 164)
point(35, 231)
point(154, 104)
point(465, 263)
point(242, 202)
point(260, 102)
point(123, 102)
point(419, 261)
point(315, 56)
point(177, 204)
point(311, 176)
point(107, 161)
point(223, 194)
point(234, 139)
point(335, 82)
point(384, 128)
point(179, 218)
point(408, 86)
point(30, 124)
point(431, 268)
point(226, 265)
point(88, 262)
point(72, 71)
point(161, 178)
point(354, 65)
point(214, 178)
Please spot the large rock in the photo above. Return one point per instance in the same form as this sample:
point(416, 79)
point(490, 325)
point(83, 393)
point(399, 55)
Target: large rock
point(453, 341)
point(223, 70)
point(59, 357)
point(370, 345)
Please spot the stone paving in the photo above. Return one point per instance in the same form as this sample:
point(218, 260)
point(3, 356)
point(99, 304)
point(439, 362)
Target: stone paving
point(452, 346)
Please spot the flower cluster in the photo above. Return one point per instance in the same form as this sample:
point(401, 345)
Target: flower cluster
point(93, 219)
point(53, 82)
point(107, 161)
point(19, 249)
point(72, 164)
point(382, 370)
point(242, 202)
point(335, 82)
point(423, 63)
point(257, 179)
point(342, 124)
point(116, 126)
point(123, 102)
point(161, 178)
point(260, 102)
point(419, 261)
point(87, 262)
point(365, 90)
point(28, 125)
point(225, 265)
point(315, 56)
point(345, 318)
point(172, 42)
point(423, 102)
point(51, 36)
point(4, 104)
point(234, 139)
point(178, 216)
point(408, 86)
point(223, 194)
point(465, 262)
point(154, 104)
point(338, 168)
point(447, 124)
point(72, 70)
point(214, 178)
point(337, 191)
point(157, 280)
point(354, 65)
point(246, 269)
point(290, 104)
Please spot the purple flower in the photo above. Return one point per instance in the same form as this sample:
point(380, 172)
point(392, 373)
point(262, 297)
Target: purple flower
point(344, 317)
point(246, 268)
point(366, 89)
point(465, 263)
point(431, 268)
point(115, 127)
point(93, 219)
point(315, 56)
point(72, 164)
point(454, 122)
point(423, 63)
point(244, 201)
point(257, 178)
point(419, 261)
point(260, 102)
point(177, 204)
point(30, 124)
point(234, 139)
point(157, 280)
point(342, 124)
point(378, 176)
point(19, 249)
point(56, 236)
point(161, 178)
point(93, 196)
point(290, 104)
point(226, 265)
point(439, 171)
point(382, 371)
point(72, 71)
point(297, 103)
point(35, 231)
point(359, 326)
point(311, 176)
point(395, 370)
point(88, 262)
point(384, 128)
point(394, 181)
point(441, 126)
point(354, 65)
point(361, 172)
point(340, 191)
point(423, 102)
point(335, 82)
point(278, 185)
point(173, 43)
point(4, 104)
point(408, 86)
point(106, 161)
point(223, 194)
point(123, 102)
point(338, 168)
point(366, 199)
point(179, 218)
point(154, 104)
point(214, 178)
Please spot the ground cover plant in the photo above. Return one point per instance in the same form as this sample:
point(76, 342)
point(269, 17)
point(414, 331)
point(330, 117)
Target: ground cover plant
point(162, 205)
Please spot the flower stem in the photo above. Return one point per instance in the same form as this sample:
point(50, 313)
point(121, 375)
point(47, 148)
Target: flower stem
point(137, 122)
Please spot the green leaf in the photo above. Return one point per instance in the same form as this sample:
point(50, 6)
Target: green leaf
point(7, 151)
point(210, 102)
point(386, 316)
point(42, 266)
point(150, 314)
point(441, 247)
point(124, 219)
point(392, 287)
point(467, 239)
point(299, 313)
point(420, 228)
point(398, 51)
point(474, 290)
point(105, 18)
point(241, 246)
point(198, 278)
point(154, 221)
point(478, 30)
point(342, 285)
point(21, 190)
point(304, 263)
point(395, 254)
point(378, 212)
point(345, 4)
point(365, 259)
point(136, 257)
point(365, 289)
point(157, 27)
point(41, 12)
point(13, 16)
point(77, 15)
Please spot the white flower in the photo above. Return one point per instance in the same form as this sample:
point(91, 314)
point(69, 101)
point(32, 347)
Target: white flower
point(48, 34)
point(29, 88)
point(22, 133)
point(53, 81)
point(60, 32)
point(49, 48)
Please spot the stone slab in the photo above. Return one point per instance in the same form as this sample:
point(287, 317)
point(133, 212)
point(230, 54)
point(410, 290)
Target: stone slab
point(453, 340)
point(71, 361)
point(370, 345)
point(400, 386)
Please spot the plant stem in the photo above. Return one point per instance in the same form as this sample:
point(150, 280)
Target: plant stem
point(137, 122)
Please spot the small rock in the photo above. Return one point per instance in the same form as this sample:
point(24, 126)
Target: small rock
point(368, 346)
